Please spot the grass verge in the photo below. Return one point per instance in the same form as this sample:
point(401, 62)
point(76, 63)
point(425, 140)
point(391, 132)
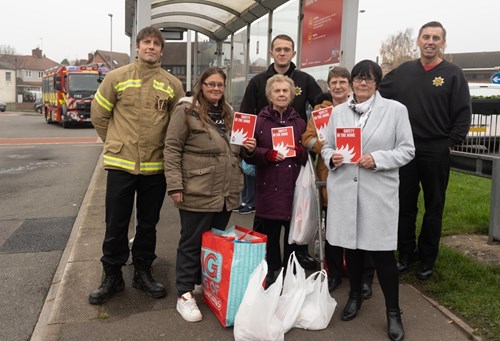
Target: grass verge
point(468, 288)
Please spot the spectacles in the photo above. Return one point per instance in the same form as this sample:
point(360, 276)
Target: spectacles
point(359, 79)
point(213, 85)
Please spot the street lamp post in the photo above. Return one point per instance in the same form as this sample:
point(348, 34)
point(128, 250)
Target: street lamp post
point(111, 41)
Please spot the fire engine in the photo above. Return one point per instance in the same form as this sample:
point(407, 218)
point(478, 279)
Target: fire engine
point(67, 92)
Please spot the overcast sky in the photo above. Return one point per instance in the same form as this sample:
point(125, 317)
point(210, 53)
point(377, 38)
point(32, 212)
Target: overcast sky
point(71, 29)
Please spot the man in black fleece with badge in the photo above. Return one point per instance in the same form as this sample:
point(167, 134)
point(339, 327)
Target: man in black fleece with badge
point(436, 94)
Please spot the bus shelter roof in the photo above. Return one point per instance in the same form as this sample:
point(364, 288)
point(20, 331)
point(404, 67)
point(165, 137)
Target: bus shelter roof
point(216, 19)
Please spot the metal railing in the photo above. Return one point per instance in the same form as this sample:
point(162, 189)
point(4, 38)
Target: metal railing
point(487, 166)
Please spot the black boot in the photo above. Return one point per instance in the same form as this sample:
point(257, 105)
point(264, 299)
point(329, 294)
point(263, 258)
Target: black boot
point(395, 325)
point(143, 279)
point(110, 285)
point(366, 289)
point(353, 305)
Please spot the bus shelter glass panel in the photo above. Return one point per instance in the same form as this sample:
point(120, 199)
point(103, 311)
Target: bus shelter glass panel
point(206, 54)
point(285, 21)
point(320, 73)
point(239, 68)
point(258, 50)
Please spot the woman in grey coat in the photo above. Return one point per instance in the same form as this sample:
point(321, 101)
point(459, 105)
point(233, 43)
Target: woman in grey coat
point(363, 196)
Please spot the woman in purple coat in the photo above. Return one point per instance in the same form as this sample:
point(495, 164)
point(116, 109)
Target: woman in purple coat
point(275, 172)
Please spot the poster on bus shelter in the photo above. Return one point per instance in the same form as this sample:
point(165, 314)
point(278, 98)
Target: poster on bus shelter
point(321, 29)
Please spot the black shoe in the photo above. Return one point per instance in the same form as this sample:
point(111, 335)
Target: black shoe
point(424, 272)
point(143, 279)
point(366, 289)
point(239, 208)
point(403, 266)
point(395, 325)
point(246, 210)
point(404, 262)
point(306, 261)
point(110, 285)
point(270, 278)
point(353, 305)
point(406, 259)
point(333, 283)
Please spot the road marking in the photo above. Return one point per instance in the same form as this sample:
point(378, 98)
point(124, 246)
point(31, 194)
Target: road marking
point(49, 140)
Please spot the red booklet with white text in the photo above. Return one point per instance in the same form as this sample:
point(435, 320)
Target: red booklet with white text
point(282, 138)
point(348, 142)
point(320, 118)
point(243, 127)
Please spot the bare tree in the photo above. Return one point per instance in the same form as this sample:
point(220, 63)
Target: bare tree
point(7, 49)
point(398, 48)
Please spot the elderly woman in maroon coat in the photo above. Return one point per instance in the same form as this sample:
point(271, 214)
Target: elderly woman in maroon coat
point(275, 172)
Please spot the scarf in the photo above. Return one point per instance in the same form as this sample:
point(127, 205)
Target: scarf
point(362, 109)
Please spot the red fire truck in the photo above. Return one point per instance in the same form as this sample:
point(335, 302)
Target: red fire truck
point(67, 92)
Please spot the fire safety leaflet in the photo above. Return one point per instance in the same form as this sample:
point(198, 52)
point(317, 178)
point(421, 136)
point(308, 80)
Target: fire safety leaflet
point(283, 140)
point(348, 142)
point(320, 118)
point(243, 127)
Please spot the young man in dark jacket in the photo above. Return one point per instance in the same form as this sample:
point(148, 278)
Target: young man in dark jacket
point(254, 99)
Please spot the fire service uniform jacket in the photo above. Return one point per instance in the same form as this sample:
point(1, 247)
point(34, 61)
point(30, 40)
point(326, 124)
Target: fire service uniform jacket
point(130, 113)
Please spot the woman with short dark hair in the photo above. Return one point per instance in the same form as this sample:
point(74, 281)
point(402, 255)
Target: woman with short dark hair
point(363, 196)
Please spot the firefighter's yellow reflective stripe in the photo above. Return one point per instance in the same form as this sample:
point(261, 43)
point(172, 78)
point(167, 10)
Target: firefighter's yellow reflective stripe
point(121, 163)
point(129, 83)
point(103, 102)
point(151, 166)
point(130, 165)
point(160, 86)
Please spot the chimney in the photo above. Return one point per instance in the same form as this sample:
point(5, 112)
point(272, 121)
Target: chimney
point(90, 56)
point(37, 53)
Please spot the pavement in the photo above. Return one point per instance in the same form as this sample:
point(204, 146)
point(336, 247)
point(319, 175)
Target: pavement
point(131, 315)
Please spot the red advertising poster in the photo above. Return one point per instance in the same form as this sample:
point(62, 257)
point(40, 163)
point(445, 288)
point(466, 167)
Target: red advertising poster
point(348, 142)
point(320, 118)
point(321, 29)
point(282, 139)
point(243, 127)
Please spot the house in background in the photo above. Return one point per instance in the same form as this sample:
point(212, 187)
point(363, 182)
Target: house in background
point(478, 67)
point(7, 82)
point(103, 58)
point(21, 76)
point(29, 73)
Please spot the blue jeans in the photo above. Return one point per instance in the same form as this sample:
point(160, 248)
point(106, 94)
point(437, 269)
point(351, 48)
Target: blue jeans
point(248, 193)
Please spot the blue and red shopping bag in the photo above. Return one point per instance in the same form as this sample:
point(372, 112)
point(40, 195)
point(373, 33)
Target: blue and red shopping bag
point(228, 258)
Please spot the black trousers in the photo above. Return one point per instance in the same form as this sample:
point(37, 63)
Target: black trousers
point(272, 229)
point(430, 169)
point(334, 257)
point(120, 192)
point(188, 262)
point(387, 273)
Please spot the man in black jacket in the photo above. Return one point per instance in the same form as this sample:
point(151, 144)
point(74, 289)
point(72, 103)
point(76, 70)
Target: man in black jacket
point(436, 94)
point(254, 99)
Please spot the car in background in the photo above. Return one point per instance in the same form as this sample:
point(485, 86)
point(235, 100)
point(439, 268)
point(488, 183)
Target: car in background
point(484, 132)
point(38, 105)
point(3, 106)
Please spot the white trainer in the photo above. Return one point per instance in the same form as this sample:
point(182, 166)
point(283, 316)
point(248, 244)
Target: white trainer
point(186, 306)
